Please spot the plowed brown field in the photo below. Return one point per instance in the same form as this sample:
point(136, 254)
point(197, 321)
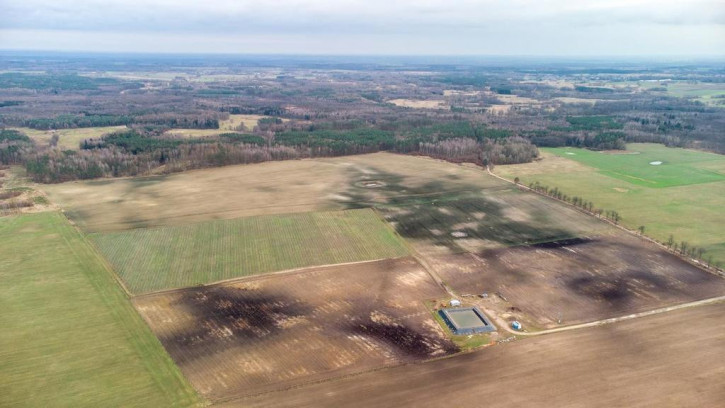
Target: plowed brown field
point(269, 333)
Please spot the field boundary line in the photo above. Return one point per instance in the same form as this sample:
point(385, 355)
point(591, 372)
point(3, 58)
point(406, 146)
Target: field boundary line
point(417, 256)
point(269, 275)
point(130, 322)
point(181, 216)
point(102, 260)
point(687, 259)
point(632, 316)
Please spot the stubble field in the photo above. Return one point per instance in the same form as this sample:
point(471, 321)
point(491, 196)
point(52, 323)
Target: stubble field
point(266, 188)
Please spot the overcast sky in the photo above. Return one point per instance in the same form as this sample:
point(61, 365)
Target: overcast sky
point(370, 27)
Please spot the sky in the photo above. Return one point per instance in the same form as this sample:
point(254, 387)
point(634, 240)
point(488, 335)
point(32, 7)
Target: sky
point(588, 28)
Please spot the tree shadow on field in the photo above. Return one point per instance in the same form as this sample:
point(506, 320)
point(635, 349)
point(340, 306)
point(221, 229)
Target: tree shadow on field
point(226, 317)
point(618, 291)
point(437, 209)
point(407, 342)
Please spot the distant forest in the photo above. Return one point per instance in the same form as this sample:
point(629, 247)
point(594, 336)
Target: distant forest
point(477, 114)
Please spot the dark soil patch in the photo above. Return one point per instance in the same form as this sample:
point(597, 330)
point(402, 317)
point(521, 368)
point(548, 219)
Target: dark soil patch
point(563, 243)
point(403, 339)
point(227, 315)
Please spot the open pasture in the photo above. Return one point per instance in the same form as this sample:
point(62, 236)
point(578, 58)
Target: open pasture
point(68, 139)
point(69, 335)
point(651, 165)
point(690, 212)
point(192, 133)
point(270, 333)
point(577, 280)
point(617, 365)
point(249, 122)
point(419, 104)
point(179, 256)
point(712, 94)
point(235, 123)
point(266, 188)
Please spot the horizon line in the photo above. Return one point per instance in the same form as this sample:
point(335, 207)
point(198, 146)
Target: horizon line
point(286, 54)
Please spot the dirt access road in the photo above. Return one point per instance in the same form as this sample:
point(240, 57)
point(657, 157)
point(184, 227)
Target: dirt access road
point(667, 360)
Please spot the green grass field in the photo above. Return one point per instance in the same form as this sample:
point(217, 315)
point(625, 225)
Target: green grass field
point(179, 256)
point(69, 336)
point(691, 212)
point(678, 166)
point(709, 93)
point(69, 139)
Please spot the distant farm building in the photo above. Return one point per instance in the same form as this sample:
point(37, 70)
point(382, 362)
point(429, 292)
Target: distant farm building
point(466, 320)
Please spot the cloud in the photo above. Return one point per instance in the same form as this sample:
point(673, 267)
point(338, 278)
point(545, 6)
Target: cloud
point(348, 16)
point(427, 26)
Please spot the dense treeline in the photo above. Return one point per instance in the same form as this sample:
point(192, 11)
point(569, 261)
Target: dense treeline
point(591, 132)
point(453, 130)
point(593, 141)
point(327, 142)
point(594, 89)
point(13, 146)
point(593, 123)
point(10, 103)
point(132, 142)
point(9, 135)
point(76, 121)
point(65, 82)
point(59, 166)
point(510, 150)
point(243, 138)
point(138, 151)
point(170, 120)
point(600, 141)
point(208, 120)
